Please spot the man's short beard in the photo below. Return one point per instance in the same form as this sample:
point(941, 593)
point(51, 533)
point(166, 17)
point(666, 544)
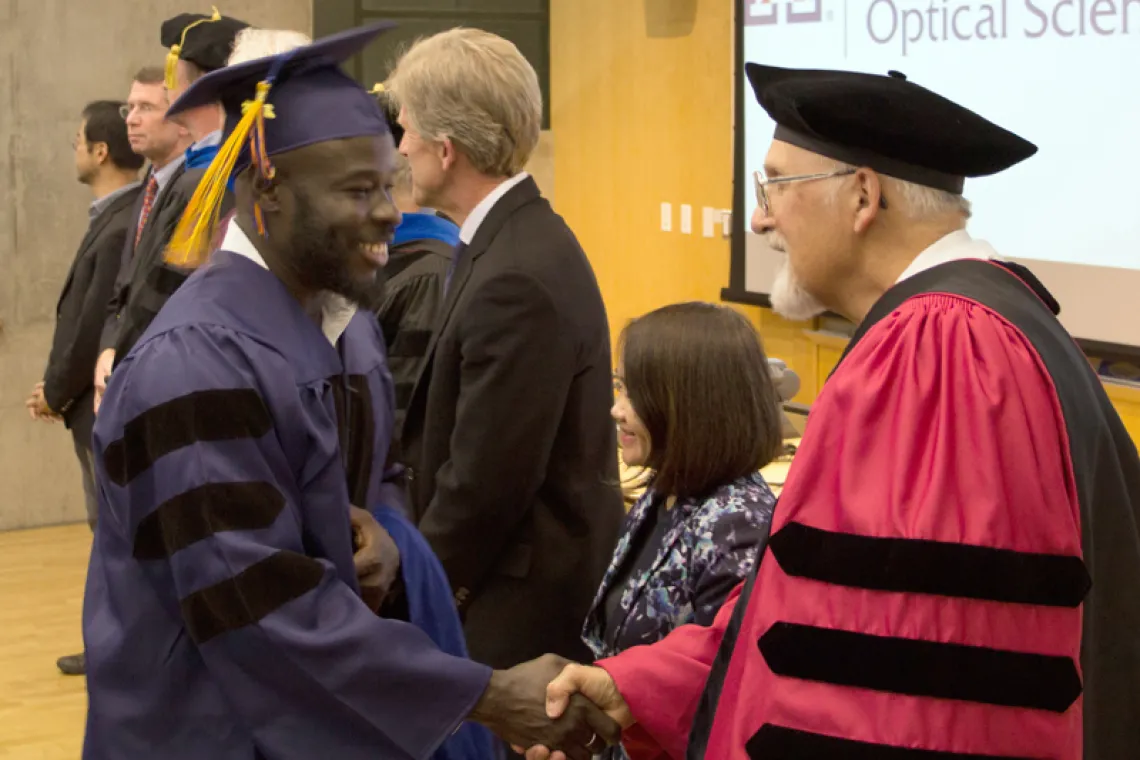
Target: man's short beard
point(320, 256)
point(790, 299)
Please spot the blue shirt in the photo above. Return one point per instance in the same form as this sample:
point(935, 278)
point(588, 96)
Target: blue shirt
point(201, 154)
point(99, 205)
point(420, 226)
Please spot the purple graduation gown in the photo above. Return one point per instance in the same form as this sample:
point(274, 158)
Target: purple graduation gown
point(222, 617)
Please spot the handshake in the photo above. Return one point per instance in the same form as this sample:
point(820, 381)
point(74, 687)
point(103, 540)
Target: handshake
point(553, 709)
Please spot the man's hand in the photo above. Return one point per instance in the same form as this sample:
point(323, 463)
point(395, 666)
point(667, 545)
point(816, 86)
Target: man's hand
point(376, 557)
point(102, 374)
point(514, 707)
point(593, 683)
point(596, 685)
point(37, 405)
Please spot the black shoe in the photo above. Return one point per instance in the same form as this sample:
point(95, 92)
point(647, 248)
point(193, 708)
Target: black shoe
point(72, 665)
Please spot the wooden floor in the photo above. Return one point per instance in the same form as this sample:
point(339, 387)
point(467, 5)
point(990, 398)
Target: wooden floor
point(41, 599)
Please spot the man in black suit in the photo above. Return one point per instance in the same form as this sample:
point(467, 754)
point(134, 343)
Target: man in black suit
point(511, 450)
point(164, 193)
point(197, 45)
point(104, 162)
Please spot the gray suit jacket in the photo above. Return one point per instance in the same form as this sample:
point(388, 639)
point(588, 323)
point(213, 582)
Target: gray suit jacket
point(69, 376)
point(508, 436)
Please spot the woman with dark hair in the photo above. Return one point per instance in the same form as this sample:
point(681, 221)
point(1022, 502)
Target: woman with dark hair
point(695, 406)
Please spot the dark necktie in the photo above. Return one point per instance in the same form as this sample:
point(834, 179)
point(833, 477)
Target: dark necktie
point(148, 204)
point(455, 256)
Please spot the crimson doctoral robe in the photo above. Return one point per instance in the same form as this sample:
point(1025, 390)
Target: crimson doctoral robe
point(926, 588)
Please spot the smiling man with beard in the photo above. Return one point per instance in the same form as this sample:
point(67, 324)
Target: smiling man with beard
point(231, 601)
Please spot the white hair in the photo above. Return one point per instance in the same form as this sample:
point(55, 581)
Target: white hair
point(476, 89)
point(251, 44)
point(919, 202)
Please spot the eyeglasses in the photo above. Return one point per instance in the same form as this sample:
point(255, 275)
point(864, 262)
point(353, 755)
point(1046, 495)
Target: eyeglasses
point(125, 111)
point(762, 183)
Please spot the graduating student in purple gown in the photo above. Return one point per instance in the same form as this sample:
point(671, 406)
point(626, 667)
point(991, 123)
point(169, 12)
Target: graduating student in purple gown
point(224, 617)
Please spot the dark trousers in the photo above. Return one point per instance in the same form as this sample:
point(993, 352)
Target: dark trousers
point(87, 468)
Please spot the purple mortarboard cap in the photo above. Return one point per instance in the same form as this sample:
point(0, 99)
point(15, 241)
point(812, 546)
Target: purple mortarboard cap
point(311, 100)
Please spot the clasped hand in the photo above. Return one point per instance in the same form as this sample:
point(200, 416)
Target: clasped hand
point(516, 707)
point(535, 704)
point(575, 682)
point(37, 405)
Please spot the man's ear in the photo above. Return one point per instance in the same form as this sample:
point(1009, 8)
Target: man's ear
point(448, 154)
point(267, 194)
point(870, 191)
point(100, 153)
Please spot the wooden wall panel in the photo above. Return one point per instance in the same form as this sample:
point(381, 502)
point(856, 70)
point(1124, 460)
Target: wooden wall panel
point(638, 120)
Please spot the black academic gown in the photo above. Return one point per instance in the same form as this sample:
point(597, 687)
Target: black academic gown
point(151, 281)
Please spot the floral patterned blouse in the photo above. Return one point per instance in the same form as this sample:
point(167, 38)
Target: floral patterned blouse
point(676, 566)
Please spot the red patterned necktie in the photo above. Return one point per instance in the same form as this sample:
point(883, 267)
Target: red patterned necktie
point(148, 203)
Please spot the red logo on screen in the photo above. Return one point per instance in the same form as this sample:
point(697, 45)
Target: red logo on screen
point(767, 12)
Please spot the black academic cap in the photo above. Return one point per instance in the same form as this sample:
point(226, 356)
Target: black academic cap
point(885, 123)
point(205, 41)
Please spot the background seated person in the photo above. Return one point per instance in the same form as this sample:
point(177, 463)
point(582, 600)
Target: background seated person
point(696, 405)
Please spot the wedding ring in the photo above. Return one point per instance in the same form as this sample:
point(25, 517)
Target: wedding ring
point(590, 744)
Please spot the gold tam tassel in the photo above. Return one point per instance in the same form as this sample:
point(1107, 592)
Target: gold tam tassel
point(190, 244)
point(176, 50)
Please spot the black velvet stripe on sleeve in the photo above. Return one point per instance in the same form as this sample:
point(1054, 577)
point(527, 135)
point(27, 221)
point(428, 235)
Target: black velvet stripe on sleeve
point(250, 595)
point(202, 416)
point(779, 743)
point(931, 567)
point(921, 668)
point(201, 512)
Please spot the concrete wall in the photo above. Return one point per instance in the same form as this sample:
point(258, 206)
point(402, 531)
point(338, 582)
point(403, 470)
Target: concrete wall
point(55, 56)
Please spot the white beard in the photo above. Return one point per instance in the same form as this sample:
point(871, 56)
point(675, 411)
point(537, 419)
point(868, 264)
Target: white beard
point(789, 298)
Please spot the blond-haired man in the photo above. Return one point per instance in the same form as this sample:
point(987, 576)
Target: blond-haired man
point(511, 450)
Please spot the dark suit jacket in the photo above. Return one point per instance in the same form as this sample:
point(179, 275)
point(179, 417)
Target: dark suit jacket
point(509, 438)
point(151, 282)
point(69, 377)
point(122, 288)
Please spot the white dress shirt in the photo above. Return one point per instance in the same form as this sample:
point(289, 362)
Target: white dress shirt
point(479, 213)
point(956, 246)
